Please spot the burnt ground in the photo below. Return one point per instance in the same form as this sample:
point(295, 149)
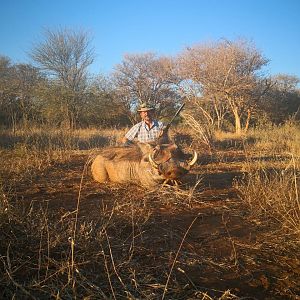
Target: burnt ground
point(200, 242)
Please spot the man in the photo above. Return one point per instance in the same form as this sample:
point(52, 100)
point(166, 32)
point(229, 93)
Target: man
point(146, 131)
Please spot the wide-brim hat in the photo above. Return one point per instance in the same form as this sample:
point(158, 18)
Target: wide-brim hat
point(145, 107)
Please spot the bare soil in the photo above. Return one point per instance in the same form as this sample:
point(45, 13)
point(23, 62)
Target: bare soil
point(138, 244)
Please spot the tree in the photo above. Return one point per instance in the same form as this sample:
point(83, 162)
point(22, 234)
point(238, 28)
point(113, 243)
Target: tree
point(26, 79)
point(227, 75)
point(102, 106)
point(146, 78)
point(282, 100)
point(17, 92)
point(65, 56)
point(7, 94)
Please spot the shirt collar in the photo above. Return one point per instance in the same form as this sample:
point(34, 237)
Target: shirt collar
point(154, 124)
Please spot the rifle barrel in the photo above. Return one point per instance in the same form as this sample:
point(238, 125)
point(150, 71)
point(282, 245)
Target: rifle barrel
point(176, 114)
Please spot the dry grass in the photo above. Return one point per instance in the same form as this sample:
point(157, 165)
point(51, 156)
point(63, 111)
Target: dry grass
point(52, 253)
point(271, 185)
point(276, 139)
point(26, 151)
point(65, 237)
point(274, 193)
point(201, 132)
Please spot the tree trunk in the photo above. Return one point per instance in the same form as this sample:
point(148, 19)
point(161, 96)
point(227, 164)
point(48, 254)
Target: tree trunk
point(248, 120)
point(219, 118)
point(14, 122)
point(237, 120)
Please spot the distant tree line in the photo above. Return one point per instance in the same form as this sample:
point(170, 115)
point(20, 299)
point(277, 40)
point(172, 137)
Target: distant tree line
point(222, 83)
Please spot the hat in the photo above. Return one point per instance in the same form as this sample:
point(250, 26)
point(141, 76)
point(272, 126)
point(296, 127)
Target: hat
point(145, 107)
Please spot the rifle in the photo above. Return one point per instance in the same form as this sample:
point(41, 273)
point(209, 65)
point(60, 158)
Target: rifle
point(164, 137)
point(172, 120)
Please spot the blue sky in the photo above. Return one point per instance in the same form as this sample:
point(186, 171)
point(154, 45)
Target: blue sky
point(161, 26)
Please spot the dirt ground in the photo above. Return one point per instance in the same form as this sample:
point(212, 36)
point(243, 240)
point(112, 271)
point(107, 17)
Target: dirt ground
point(200, 243)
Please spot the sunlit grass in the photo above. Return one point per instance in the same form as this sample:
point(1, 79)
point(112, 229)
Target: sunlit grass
point(273, 192)
point(67, 254)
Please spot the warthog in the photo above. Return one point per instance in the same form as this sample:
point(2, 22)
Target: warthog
point(145, 164)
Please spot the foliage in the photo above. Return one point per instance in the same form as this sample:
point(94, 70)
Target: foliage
point(282, 101)
point(17, 93)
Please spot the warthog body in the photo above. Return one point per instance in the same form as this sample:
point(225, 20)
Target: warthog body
point(144, 164)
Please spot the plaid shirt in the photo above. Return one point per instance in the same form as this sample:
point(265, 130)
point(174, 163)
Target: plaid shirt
point(143, 133)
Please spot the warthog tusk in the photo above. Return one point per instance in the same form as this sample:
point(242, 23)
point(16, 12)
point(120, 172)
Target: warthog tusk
point(174, 181)
point(193, 161)
point(166, 181)
point(152, 162)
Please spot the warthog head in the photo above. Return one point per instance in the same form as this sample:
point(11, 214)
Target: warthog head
point(169, 161)
point(145, 164)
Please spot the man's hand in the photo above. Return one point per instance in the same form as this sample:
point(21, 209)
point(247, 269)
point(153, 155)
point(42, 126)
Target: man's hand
point(161, 133)
point(163, 136)
point(126, 142)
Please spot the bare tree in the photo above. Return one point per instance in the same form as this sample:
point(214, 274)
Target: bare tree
point(146, 78)
point(227, 75)
point(286, 83)
point(66, 55)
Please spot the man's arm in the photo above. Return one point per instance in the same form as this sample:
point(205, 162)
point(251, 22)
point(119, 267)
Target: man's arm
point(131, 134)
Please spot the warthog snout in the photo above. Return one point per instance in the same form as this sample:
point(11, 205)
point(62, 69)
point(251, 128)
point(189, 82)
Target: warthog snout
point(170, 167)
point(172, 170)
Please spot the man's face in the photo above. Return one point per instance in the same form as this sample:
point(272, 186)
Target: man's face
point(147, 116)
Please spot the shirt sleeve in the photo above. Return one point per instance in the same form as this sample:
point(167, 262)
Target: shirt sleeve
point(133, 131)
